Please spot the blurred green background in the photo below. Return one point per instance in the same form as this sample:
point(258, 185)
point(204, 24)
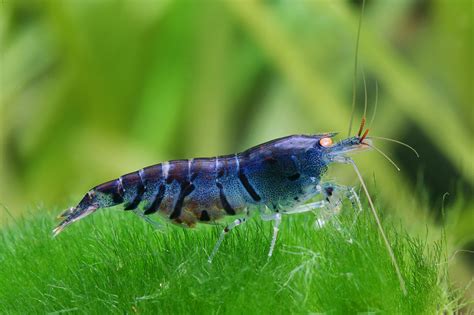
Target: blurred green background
point(91, 90)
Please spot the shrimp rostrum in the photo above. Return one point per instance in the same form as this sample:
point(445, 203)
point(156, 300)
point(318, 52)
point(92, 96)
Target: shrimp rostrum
point(277, 178)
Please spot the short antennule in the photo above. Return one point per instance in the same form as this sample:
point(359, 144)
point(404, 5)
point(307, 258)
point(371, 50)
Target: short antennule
point(362, 124)
point(364, 135)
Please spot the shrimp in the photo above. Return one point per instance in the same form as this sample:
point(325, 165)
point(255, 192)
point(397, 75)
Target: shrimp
point(276, 178)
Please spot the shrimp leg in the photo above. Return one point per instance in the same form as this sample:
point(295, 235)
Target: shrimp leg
point(155, 224)
point(276, 218)
point(334, 195)
point(226, 230)
point(307, 207)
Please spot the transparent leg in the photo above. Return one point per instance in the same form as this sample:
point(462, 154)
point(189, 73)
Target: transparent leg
point(307, 207)
point(155, 224)
point(276, 218)
point(226, 230)
point(335, 194)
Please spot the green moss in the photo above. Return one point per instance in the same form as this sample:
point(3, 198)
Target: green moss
point(112, 261)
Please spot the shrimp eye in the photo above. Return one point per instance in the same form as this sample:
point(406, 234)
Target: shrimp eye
point(325, 142)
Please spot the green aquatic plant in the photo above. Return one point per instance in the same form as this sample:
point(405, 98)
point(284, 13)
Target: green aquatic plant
point(116, 262)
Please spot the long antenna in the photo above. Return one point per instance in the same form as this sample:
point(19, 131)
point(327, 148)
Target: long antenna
point(384, 155)
point(354, 80)
point(376, 103)
point(397, 141)
point(379, 224)
point(365, 93)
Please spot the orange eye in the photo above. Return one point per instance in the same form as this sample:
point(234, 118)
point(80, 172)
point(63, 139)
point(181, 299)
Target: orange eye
point(325, 142)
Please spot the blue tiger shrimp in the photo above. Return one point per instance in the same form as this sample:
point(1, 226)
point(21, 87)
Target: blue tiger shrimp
point(277, 178)
point(274, 179)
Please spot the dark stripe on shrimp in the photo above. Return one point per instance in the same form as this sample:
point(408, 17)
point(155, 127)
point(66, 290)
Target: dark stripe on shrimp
point(117, 196)
point(227, 207)
point(186, 189)
point(245, 182)
point(204, 216)
point(157, 201)
point(270, 160)
point(294, 177)
point(220, 168)
point(295, 162)
point(136, 201)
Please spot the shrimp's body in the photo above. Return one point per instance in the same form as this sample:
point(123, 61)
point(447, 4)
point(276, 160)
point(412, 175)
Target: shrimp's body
point(278, 175)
